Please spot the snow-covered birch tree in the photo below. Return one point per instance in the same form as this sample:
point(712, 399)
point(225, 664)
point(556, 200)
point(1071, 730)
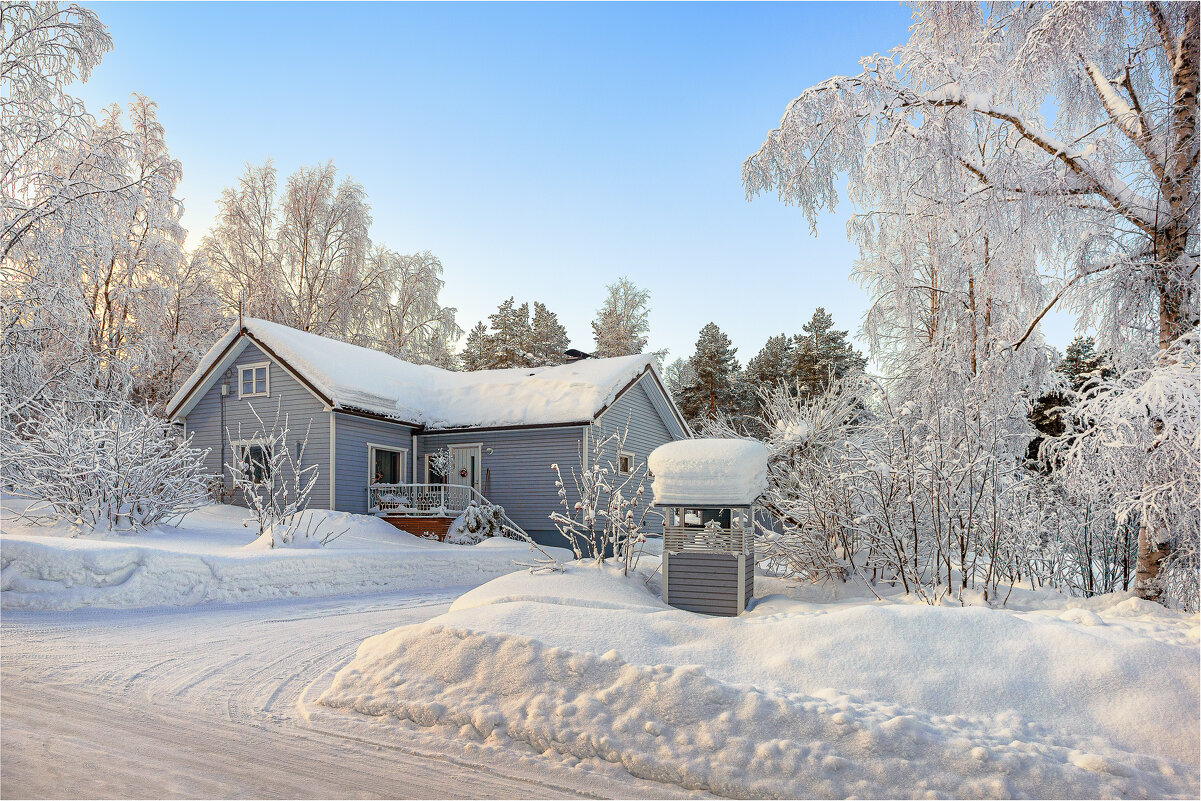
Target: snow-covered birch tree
point(303, 257)
point(622, 324)
point(975, 216)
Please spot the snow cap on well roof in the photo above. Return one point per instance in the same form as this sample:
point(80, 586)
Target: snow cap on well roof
point(708, 472)
point(357, 378)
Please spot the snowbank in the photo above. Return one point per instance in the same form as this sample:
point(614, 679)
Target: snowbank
point(361, 378)
point(716, 472)
point(212, 557)
point(802, 699)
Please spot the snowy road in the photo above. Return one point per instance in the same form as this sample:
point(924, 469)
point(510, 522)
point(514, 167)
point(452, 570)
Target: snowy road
point(212, 701)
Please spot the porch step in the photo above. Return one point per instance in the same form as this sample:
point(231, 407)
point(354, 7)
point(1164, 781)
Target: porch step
point(432, 527)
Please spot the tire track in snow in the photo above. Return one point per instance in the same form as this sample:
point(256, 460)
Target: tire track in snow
point(211, 701)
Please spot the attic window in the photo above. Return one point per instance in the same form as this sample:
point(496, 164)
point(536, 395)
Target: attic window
point(625, 463)
point(254, 380)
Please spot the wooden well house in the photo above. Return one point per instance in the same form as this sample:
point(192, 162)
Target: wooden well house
point(707, 490)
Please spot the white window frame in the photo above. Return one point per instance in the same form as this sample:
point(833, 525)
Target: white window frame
point(630, 457)
point(240, 446)
point(372, 447)
point(242, 368)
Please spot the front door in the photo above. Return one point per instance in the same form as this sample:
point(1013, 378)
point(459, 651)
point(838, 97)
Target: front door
point(465, 466)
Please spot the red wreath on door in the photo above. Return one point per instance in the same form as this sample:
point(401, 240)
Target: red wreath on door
point(463, 472)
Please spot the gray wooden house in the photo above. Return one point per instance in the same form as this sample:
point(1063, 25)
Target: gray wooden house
point(373, 422)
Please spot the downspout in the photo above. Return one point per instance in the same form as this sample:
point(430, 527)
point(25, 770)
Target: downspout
point(222, 393)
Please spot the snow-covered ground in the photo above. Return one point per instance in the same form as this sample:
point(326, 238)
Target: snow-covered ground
point(214, 701)
point(807, 695)
point(212, 557)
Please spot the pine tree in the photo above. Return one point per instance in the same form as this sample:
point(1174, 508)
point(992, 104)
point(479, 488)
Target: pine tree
point(822, 354)
point(548, 337)
point(622, 323)
point(712, 389)
point(510, 335)
point(478, 351)
point(771, 365)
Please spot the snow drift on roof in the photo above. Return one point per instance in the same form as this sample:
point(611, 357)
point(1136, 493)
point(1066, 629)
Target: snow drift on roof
point(714, 472)
point(368, 380)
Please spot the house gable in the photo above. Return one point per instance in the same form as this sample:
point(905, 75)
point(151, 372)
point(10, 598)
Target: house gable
point(232, 354)
point(660, 399)
point(644, 415)
point(213, 420)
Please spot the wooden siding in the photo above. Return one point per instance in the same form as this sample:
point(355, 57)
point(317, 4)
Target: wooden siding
point(650, 425)
point(353, 433)
point(663, 407)
point(705, 582)
point(517, 470)
point(287, 396)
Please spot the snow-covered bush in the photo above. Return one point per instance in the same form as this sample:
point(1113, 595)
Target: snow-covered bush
point(808, 495)
point(104, 464)
point(272, 480)
point(477, 523)
point(439, 462)
point(1133, 440)
point(603, 522)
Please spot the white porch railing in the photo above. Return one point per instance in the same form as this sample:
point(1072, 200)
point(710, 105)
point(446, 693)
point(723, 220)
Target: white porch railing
point(431, 500)
point(421, 499)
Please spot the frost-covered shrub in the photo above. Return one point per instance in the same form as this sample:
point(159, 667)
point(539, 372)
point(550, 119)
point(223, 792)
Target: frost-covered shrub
point(477, 523)
point(1133, 439)
point(102, 464)
point(603, 523)
point(274, 482)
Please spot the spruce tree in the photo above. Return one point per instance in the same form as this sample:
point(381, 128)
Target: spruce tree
point(715, 368)
point(1080, 364)
point(548, 338)
point(478, 352)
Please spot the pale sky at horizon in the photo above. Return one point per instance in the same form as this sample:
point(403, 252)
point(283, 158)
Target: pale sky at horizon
point(539, 150)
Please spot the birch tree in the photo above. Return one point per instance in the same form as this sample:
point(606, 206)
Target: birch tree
point(622, 323)
point(303, 257)
point(1103, 198)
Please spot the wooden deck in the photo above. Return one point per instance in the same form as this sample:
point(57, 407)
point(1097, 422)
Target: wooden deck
point(429, 527)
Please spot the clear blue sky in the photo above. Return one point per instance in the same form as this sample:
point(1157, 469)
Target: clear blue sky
point(540, 150)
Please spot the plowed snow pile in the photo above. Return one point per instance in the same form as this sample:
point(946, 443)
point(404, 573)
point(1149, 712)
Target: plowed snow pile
point(1051, 697)
point(212, 557)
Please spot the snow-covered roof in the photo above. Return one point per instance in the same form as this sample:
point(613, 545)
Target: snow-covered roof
point(708, 472)
point(356, 378)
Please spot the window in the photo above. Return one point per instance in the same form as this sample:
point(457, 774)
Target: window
point(254, 380)
point(255, 459)
point(625, 463)
point(386, 465)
